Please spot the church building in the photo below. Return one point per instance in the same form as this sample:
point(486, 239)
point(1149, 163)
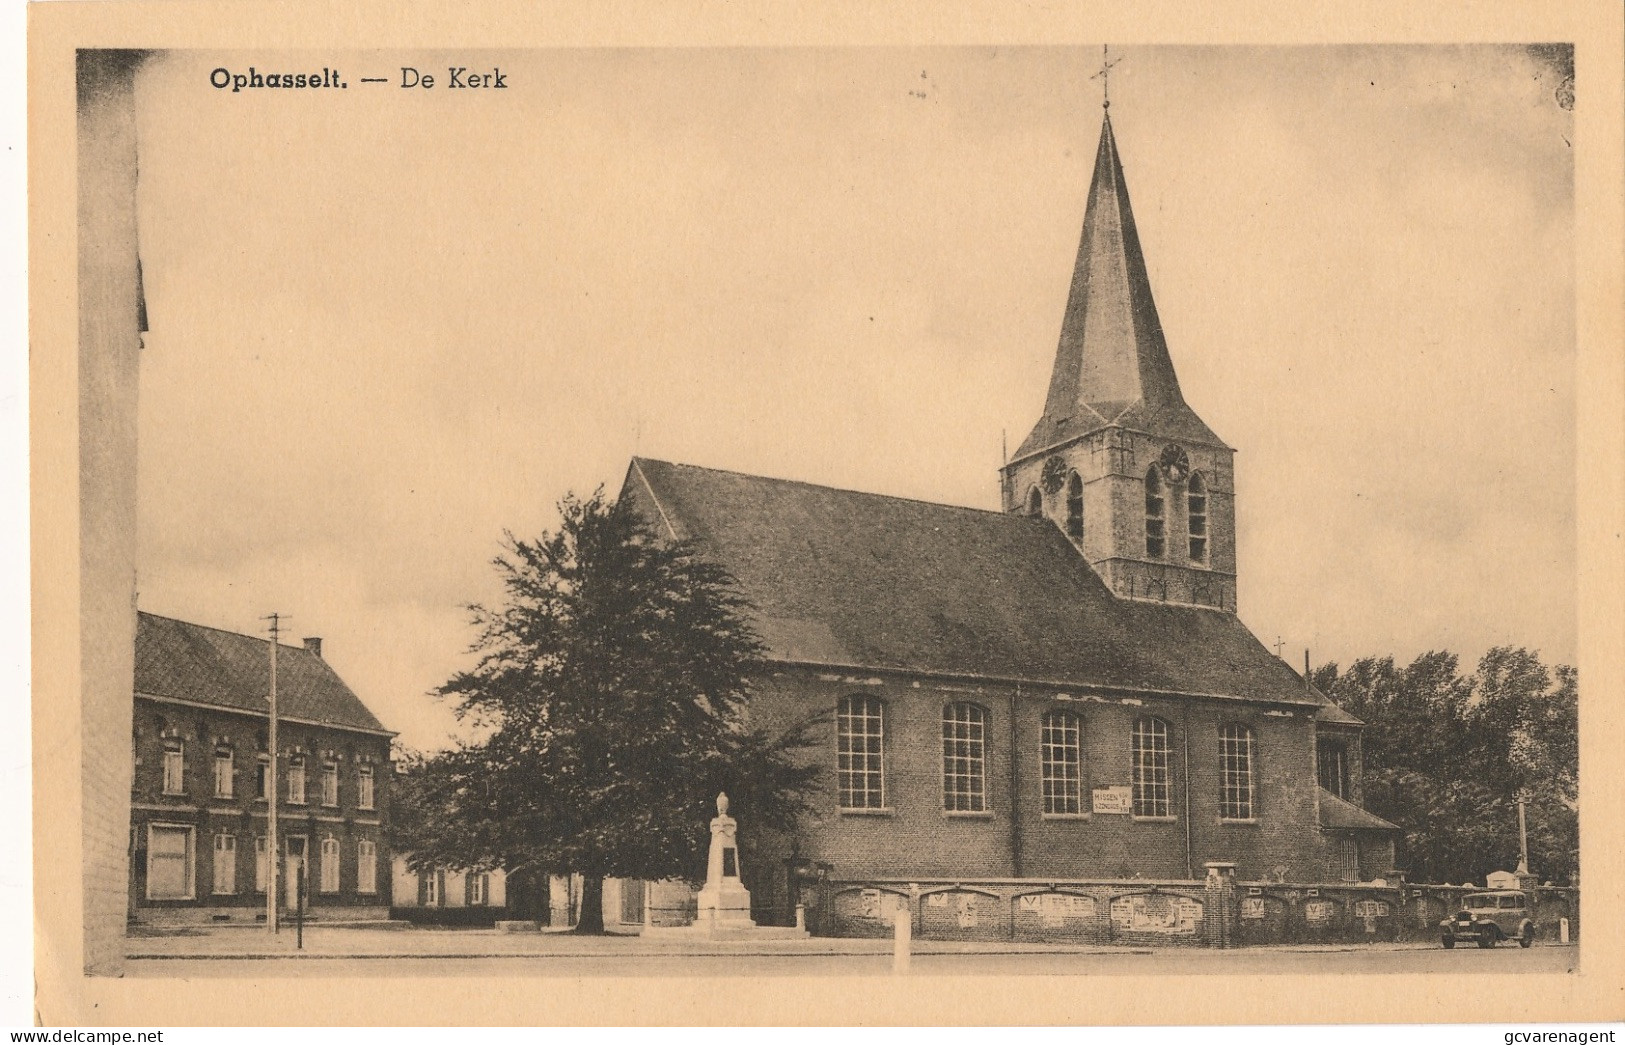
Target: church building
point(1058, 690)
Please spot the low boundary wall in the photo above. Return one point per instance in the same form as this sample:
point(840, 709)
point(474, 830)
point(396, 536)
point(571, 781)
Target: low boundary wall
point(1215, 912)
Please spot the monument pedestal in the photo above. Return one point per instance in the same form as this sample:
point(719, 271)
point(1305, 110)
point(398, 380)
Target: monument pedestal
point(724, 902)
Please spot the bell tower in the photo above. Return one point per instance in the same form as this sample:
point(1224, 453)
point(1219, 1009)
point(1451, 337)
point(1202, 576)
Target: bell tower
point(1119, 461)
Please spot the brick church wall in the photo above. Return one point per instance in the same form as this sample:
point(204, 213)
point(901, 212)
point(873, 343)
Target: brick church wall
point(915, 838)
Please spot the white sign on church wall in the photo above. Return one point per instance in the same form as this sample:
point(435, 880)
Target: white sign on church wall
point(1113, 800)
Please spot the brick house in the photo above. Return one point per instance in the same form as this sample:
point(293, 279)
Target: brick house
point(1061, 689)
point(198, 804)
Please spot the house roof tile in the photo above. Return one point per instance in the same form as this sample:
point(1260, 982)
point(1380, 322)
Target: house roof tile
point(205, 665)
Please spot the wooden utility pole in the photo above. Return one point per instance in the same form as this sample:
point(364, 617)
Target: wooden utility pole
point(271, 853)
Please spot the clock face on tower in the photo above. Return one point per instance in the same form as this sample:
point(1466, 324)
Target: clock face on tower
point(1176, 464)
point(1054, 476)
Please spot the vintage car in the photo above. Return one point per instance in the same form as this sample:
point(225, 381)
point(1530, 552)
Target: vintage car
point(1490, 917)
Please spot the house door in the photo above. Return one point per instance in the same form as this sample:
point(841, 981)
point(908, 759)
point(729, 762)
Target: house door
point(631, 902)
point(293, 858)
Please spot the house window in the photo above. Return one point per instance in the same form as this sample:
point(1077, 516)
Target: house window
point(366, 866)
point(1060, 757)
point(296, 780)
point(1035, 502)
point(1332, 763)
point(222, 773)
point(431, 888)
point(479, 887)
point(1155, 536)
point(964, 732)
point(330, 864)
point(330, 783)
point(261, 870)
point(1074, 507)
point(174, 768)
point(262, 777)
point(1235, 773)
point(1196, 521)
point(1150, 757)
point(169, 862)
point(225, 864)
point(860, 753)
point(1348, 859)
point(363, 791)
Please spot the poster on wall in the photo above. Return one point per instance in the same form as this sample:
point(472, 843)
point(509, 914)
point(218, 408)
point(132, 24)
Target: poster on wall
point(967, 911)
point(1317, 912)
point(1059, 909)
point(1156, 913)
point(1113, 800)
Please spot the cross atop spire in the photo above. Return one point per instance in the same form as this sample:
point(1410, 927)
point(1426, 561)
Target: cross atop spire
point(1105, 75)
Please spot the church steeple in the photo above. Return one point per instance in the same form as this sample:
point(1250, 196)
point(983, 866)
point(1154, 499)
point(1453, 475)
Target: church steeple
point(1112, 365)
point(1119, 460)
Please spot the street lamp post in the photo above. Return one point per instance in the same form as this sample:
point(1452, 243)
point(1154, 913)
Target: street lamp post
point(1523, 834)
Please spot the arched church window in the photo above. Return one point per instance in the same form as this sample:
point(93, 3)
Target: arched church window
point(1074, 507)
point(1150, 767)
point(1235, 772)
point(1196, 511)
point(1035, 502)
point(1155, 543)
point(1061, 762)
point(964, 758)
point(860, 751)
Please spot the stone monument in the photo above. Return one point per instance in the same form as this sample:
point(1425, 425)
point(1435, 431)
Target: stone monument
point(724, 902)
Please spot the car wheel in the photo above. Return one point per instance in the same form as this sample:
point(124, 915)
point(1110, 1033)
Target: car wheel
point(1486, 941)
point(1526, 939)
point(1448, 941)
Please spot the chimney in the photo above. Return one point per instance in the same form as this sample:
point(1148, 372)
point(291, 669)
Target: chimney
point(313, 645)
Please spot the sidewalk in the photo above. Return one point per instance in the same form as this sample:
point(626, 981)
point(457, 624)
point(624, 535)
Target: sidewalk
point(325, 942)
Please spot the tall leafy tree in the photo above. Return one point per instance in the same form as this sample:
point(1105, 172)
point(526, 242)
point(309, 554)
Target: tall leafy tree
point(610, 698)
point(1447, 754)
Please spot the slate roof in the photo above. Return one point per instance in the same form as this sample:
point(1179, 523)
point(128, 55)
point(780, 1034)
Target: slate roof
point(223, 668)
point(1335, 715)
point(1112, 365)
point(862, 580)
point(1346, 816)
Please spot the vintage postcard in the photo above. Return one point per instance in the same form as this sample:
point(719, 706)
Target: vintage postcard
point(587, 503)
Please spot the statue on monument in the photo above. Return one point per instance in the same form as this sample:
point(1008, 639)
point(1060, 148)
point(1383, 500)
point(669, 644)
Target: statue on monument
point(724, 902)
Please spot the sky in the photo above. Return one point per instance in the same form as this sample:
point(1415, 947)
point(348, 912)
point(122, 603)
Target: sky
point(388, 324)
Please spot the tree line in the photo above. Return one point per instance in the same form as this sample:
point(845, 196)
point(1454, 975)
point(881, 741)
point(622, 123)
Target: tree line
point(1448, 752)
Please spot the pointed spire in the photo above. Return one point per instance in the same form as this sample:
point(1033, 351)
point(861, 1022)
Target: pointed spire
point(1112, 365)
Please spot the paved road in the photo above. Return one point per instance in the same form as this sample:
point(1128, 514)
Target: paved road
point(1545, 959)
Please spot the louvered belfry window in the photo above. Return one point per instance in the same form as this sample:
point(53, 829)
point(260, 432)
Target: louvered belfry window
point(1196, 522)
point(1074, 507)
point(1155, 532)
